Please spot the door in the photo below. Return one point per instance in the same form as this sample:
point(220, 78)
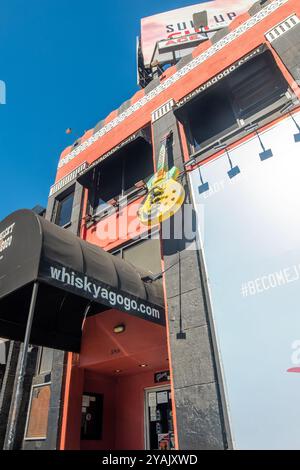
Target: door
point(159, 419)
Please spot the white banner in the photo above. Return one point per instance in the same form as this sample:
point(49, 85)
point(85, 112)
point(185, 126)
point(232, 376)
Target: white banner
point(174, 24)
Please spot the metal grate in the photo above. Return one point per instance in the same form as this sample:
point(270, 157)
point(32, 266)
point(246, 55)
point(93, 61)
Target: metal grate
point(282, 28)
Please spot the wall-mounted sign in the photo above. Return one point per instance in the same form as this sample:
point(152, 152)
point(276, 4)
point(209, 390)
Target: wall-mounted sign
point(163, 376)
point(6, 239)
point(67, 179)
point(92, 416)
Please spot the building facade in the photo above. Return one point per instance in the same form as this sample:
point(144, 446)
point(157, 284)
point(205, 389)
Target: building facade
point(219, 373)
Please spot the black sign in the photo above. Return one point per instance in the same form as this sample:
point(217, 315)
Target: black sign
point(163, 376)
point(91, 417)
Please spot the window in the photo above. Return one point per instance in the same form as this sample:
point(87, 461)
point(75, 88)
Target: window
point(63, 209)
point(255, 86)
point(254, 90)
point(117, 175)
point(212, 116)
point(38, 411)
point(145, 255)
point(45, 360)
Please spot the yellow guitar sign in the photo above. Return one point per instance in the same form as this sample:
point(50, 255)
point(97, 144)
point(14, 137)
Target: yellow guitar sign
point(165, 196)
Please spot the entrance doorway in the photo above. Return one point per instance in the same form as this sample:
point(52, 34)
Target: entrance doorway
point(159, 432)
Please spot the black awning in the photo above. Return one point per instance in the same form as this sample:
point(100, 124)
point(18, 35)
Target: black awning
point(135, 141)
point(72, 275)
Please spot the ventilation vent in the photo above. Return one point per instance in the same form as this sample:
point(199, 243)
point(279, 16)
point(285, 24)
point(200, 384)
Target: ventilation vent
point(160, 112)
point(282, 28)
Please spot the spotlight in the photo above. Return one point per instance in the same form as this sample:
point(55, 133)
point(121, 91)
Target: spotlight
point(119, 329)
point(143, 366)
point(266, 153)
point(204, 187)
point(118, 371)
point(234, 170)
point(181, 335)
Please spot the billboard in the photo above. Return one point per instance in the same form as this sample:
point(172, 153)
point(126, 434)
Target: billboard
point(175, 25)
point(250, 241)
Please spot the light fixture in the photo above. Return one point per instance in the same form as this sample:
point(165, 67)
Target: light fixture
point(266, 153)
point(204, 186)
point(118, 371)
point(234, 170)
point(143, 366)
point(119, 329)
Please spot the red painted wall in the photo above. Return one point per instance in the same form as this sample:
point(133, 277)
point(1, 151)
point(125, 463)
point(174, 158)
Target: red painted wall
point(123, 410)
point(130, 410)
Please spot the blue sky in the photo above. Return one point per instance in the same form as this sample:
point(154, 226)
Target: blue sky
point(66, 63)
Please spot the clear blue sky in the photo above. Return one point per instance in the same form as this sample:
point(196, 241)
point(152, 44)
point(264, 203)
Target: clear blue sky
point(66, 63)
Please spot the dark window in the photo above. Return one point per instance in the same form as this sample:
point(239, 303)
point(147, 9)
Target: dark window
point(256, 85)
point(252, 91)
point(145, 255)
point(64, 208)
point(45, 360)
point(211, 116)
point(108, 183)
point(118, 174)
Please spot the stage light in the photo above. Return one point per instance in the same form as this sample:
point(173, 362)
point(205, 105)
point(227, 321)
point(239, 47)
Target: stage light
point(181, 335)
point(204, 187)
point(234, 170)
point(119, 329)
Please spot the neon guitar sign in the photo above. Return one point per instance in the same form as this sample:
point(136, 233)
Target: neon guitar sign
point(165, 194)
